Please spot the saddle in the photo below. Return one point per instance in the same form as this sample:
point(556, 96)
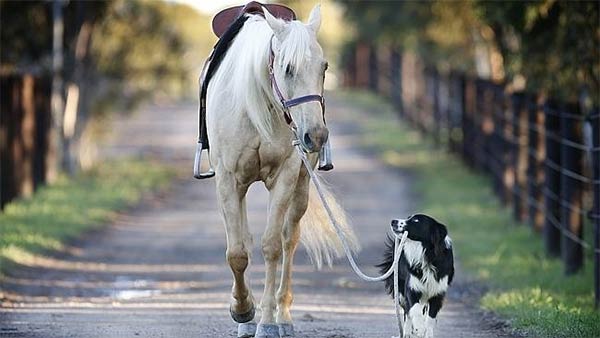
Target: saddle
point(226, 17)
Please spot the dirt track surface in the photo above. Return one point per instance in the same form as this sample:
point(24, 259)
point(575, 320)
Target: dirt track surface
point(158, 270)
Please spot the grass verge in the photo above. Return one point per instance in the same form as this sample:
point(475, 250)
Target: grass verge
point(62, 211)
point(525, 286)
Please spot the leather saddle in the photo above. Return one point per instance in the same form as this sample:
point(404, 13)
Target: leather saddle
point(222, 20)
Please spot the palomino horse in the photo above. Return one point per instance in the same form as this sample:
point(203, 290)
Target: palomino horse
point(251, 137)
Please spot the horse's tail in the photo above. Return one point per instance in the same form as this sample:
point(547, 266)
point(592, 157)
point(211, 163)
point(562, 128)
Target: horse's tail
point(317, 232)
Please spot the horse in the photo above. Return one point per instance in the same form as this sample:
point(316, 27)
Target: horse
point(251, 135)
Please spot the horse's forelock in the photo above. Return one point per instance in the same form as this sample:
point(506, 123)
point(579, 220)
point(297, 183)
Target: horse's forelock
point(296, 46)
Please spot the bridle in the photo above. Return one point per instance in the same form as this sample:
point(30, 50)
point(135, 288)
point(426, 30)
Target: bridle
point(287, 104)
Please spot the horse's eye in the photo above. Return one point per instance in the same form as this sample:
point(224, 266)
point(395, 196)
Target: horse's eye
point(415, 220)
point(289, 70)
point(326, 66)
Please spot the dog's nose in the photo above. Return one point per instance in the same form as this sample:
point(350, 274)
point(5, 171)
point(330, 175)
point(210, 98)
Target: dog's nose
point(398, 225)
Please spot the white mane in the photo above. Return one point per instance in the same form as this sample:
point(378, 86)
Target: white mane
point(243, 72)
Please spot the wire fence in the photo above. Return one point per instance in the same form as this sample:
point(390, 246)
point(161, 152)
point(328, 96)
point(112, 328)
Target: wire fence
point(543, 155)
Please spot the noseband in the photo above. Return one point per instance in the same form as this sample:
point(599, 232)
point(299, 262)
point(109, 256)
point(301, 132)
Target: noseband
point(287, 104)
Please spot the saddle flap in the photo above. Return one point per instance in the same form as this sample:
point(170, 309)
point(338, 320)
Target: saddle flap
point(224, 18)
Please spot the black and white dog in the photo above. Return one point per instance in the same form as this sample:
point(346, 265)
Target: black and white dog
point(426, 269)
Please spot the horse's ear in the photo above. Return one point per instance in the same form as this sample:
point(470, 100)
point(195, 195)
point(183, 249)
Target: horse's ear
point(314, 20)
point(276, 25)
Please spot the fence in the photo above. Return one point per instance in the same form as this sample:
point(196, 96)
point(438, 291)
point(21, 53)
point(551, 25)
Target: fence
point(25, 122)
point(543, 155)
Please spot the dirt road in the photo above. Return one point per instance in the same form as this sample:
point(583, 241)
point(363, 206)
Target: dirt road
point(159, 269)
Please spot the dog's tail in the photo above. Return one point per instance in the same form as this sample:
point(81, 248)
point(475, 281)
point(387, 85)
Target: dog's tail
point(317, 232)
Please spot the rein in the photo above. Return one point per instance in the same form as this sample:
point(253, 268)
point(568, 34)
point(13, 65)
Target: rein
point(399, 241)
point(287, 104)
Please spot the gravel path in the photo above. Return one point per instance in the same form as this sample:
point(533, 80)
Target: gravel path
point(158, 270)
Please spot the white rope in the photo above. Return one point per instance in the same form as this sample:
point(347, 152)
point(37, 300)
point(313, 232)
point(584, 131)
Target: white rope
point(398, 242)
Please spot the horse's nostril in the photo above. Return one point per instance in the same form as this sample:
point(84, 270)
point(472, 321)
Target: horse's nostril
point(308, 141)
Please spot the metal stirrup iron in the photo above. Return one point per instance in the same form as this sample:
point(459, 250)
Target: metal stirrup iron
point(325, 163)
point(198, 163)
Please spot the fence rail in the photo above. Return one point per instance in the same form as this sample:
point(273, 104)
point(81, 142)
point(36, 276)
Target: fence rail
point(542, 155)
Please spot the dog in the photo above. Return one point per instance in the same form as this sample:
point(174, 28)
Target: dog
point(426, 269)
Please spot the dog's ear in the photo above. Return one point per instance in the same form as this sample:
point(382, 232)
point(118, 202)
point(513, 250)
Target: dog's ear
point(439, 234)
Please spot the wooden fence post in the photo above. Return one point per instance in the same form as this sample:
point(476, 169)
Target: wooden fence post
point(498, 161)
point(535, 172)
point(519, 156)
point(571, 190)
point(477, 125)
point(396, 80)
point(468, 123)
point(506, 128)
point(436, 115)
point(552, 181)
point(595, 212)
point(457, 136)
point(373, 68)
point(362, 65)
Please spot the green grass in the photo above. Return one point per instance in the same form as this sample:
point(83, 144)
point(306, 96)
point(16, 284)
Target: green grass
point(525, 287)
point(62, 211)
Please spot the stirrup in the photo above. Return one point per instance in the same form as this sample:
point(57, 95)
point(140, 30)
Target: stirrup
point(325, 163)
point(198, 163)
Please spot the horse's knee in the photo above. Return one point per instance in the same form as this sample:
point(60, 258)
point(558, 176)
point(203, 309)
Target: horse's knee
point(285, 297)
point(271, 250)
point(238, 259)
point(291, 236)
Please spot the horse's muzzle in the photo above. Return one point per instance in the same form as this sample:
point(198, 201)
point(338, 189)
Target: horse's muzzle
point(313, 140)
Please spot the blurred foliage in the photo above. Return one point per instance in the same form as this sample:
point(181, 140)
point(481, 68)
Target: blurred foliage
point(553, 45)
point(63, 211)
point(151, 48)
point(521, 282)
point(19, 45)
point(26, 34)
point(138, 48)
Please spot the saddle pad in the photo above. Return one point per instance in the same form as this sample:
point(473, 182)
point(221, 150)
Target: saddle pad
point(224, 18)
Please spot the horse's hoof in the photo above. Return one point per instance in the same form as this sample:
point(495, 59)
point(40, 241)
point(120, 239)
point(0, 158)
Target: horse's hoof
point(286, 330)
point(267, 331)
point(242, 317)
point(246, 330)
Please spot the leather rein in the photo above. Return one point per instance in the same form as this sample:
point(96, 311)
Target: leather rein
point(287, 104)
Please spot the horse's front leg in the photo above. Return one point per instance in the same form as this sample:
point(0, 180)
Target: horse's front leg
point(279, 199)
point(290, 240)
point(231, 198)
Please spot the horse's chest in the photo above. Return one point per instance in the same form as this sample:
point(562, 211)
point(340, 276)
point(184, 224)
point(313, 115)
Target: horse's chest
point(261, 163)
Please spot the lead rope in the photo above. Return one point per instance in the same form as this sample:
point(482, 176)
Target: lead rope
point(398, 241)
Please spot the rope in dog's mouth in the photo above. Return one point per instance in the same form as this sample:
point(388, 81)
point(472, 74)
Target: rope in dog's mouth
point(398, 241)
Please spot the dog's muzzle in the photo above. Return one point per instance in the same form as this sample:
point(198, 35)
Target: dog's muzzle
point(398, 225)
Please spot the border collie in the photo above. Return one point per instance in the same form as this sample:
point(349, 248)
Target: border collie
point(425, 271)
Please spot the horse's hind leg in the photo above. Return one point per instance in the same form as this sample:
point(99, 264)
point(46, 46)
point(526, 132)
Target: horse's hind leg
point(290, 239)
point(231, 197)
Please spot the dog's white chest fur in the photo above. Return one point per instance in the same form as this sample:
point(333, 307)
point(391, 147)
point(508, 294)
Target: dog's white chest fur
point(427, 284)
